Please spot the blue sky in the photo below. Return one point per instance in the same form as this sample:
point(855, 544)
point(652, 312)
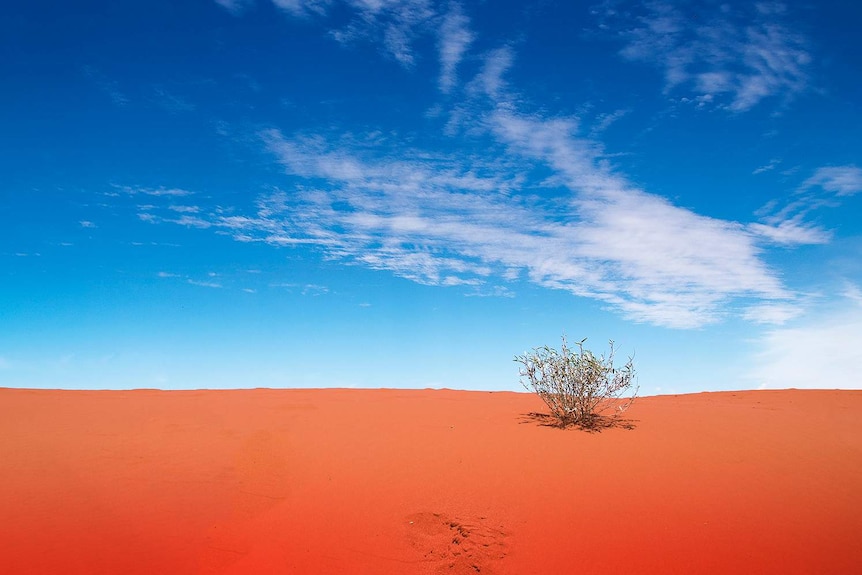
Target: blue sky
point(407, 193)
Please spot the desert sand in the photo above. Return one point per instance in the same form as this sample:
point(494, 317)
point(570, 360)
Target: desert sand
point(426, 482)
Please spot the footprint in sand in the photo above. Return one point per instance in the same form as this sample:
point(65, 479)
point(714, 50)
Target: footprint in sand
point(457, 545)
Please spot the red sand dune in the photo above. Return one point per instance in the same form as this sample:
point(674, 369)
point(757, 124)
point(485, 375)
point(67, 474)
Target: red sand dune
point(404, 482)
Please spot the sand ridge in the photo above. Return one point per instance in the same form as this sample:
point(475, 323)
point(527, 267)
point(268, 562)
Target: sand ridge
point(426, 482)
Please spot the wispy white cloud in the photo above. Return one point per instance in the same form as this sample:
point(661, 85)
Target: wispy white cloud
point(108, 86)
point(314, 289)
point(235, 6)
point(304, 289)
point(722, 55)
point(793, 231)
point(490, 80)
point(446, 221)
point(788, 223)
point(172, 102)
point(393, 23)
point(771, 165)
point(156, 192)
point(184, 209)
point(772, 313)
point(490, 291)
point(840, 180)
point(654, 261)
point(209, 284)
point(853, 293)
point(303, 7)
point(824, 352)
point(604, 121)
point(481, 221)
point(86, 224)
point(454, 39)
point(396, 23)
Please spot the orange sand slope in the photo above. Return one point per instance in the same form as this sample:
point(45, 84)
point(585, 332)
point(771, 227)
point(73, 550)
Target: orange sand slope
point(404, 482)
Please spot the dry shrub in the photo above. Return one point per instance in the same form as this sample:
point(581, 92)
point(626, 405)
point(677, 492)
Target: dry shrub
point(579, 388)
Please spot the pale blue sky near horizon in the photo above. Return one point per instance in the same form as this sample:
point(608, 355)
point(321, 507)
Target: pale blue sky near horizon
point(408, 193)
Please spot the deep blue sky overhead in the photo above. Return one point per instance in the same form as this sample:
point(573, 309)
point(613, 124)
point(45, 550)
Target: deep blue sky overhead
point(407, 193)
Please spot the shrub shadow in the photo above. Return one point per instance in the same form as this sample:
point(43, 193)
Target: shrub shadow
point(596, 425)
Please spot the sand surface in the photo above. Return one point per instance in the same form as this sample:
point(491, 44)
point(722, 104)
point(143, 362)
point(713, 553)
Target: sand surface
point(410, 482)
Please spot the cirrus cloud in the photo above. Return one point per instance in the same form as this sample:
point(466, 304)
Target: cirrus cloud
point(722, 55)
